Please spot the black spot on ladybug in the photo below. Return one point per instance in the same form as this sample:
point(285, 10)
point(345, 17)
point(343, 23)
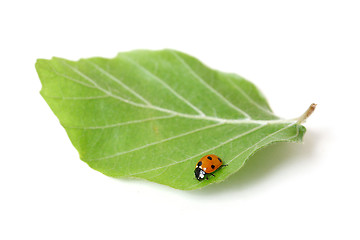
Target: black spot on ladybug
point(212, 166)
point(210, 158)
point(220, 160)
point(199, 163)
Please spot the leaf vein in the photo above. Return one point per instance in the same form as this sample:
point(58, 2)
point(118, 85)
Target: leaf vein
point(117, 80)
point(157, 142)
point(203, 152)
point(254, 103)
point(255, 145)
point(201, 80)
point(77, 71)
point(76, 98)
point(121, 123)
point(71, 79)
point(270, 135)
point(162, 82)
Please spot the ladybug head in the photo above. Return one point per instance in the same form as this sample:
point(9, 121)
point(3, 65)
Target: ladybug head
point(199, 173)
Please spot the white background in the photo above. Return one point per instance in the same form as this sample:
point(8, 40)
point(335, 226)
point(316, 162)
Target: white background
point(297, 52)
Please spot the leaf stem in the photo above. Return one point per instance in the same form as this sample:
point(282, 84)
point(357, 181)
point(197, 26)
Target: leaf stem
point(306, 114)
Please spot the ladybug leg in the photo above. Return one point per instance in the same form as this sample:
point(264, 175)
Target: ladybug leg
point(223, 165)
point(212, 174)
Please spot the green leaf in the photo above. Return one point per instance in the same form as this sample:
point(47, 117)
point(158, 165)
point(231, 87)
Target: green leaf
point(154, 114)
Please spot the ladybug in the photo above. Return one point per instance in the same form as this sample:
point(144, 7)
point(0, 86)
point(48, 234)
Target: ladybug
point(206, 165)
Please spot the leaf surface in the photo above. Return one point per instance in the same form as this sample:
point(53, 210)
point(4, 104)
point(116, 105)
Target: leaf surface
point(154, 114)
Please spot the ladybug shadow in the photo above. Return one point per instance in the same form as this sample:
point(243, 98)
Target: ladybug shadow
point(265, 163)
